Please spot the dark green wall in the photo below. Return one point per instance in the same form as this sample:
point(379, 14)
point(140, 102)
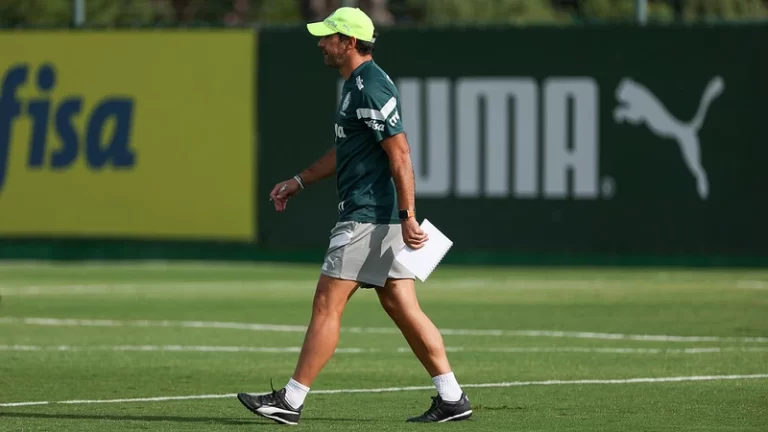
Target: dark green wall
point(650, 203)
point(639, 205)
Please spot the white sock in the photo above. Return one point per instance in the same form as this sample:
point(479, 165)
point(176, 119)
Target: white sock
point(295, 393)
point(447, 387)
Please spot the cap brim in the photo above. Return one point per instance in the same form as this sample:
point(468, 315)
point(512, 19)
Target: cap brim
point(320, 29)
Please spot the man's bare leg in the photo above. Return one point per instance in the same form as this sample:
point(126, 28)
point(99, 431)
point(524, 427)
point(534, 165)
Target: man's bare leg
point(398, 298)
point(322, 336)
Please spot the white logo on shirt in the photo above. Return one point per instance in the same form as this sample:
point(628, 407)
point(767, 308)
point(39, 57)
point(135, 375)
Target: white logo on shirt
point(339, 131)
point(345, 104)
point(395, 118)
point(374, 125)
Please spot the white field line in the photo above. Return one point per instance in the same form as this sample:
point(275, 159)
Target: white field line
point(415, 388)
point(752, 284)
point(136, 288)
point(22, 289)
point(137, 264)
point(57, 322)
point(302, 284)
point(170, 348)
point(604, 350)
point(152, 264)
point(296, 349)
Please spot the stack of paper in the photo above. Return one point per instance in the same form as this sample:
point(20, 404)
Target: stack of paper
point(422, 262)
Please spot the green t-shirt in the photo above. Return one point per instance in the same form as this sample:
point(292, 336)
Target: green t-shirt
point(368, 113)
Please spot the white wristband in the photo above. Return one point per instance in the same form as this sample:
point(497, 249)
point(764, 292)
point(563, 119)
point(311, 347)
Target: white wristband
point(298, 179)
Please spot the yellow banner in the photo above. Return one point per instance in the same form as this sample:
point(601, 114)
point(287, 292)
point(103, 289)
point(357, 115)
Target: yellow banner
point(127, 134)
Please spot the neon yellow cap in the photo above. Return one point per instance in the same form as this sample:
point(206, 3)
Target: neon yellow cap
point(349, 21)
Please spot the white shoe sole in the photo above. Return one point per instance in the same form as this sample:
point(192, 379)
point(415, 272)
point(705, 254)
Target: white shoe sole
point(457, 417)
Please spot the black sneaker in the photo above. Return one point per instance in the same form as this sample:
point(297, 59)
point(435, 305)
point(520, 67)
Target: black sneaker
point(272, 406)
point(443, 411)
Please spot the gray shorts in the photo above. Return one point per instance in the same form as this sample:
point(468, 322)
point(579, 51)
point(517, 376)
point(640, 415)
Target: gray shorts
point(365, 253)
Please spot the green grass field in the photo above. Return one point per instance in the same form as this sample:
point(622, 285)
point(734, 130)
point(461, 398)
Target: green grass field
point(165, 347)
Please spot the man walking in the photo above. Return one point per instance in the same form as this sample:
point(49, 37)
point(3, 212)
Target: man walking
point(375, 185)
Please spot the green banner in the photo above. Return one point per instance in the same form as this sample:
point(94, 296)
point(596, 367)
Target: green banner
point(591, 140)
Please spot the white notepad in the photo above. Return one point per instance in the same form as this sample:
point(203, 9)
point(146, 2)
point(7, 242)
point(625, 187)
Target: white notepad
point(422, 262)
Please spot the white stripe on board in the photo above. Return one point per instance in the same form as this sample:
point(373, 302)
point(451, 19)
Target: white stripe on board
point(296, 349)
point(387, 330)
point(415, 388)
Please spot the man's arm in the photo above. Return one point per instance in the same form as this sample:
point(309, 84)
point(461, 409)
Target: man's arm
point(322, 168)
point(399, 153)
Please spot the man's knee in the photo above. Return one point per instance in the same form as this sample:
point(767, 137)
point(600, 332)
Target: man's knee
point(390, 304)
point(331, 295)
point(397, 297)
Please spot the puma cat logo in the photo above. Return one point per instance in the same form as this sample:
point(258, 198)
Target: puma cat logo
point(637, 105)
point(331, 261)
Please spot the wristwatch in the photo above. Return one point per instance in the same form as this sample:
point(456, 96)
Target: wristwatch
point(406, 214)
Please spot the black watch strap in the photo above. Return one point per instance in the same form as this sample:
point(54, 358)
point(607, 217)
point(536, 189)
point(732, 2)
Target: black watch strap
point(406, 214)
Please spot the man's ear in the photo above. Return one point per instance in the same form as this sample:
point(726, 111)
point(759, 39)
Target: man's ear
point(352, 42)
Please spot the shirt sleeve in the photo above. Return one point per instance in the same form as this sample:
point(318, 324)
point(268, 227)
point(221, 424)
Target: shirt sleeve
point(379, 109)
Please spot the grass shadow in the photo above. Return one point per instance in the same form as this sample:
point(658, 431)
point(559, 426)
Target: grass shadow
point(148, 418)
point(220, 420)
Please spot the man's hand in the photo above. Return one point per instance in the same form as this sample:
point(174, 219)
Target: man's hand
point(284, 191)
point(322, 168)
point(413, 235)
